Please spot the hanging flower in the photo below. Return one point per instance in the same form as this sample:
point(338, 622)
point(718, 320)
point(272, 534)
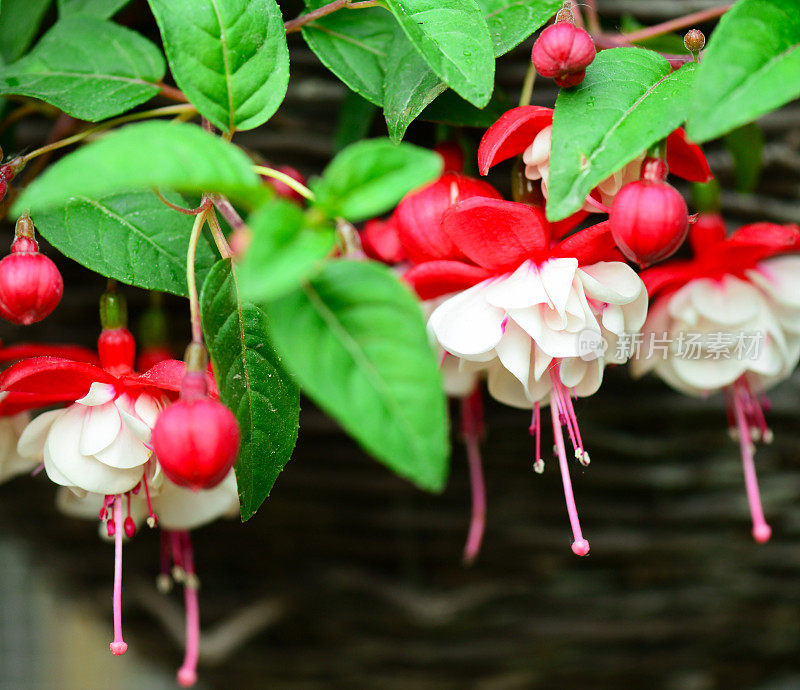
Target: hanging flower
point(728, 320)
point(540, 316)
point(527, 130)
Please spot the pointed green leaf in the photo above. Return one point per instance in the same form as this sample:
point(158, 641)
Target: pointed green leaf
point(356, 115)
point(284, 251)
point(354, 45)
point(370, 177)
point(355, 340)
point(750, 67)
point(85, 77)
point(228, 56)
point(151, 154)
point(629, 100)
point(130, 236)
point(252, 382)
point(511, 21)
point(452, 37)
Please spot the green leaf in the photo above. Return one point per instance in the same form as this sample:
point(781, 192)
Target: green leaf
point(355, 340)
point(409, 87)
point(85, 77)
point(354, 45)
point(130, 236)
point(19, 23)
point(285, 250)
point(370, 177)
point(628, 101)
point(750, 67)
point(252, 382)
point(746, 145)
point(453, 38)
point(228, 56)
point(511, 21)
point(151, 154)
point(97, 8)
point(356, 115)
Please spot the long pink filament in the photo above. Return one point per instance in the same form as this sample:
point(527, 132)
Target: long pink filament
point(536, 430)
point(471, 424)
point(187, 673)
point(761, 530)
point(580, 547)
point(118, 646)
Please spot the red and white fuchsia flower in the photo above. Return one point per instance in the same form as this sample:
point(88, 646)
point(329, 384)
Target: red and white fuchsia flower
point(728, 320)
point(529, 310)
point(527, 131)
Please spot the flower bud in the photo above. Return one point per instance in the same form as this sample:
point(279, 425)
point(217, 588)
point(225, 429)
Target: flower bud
point(649, 218)
point(196, 440)
point(30, 284)
point(694, 40)
point(117, 350)
point(284, 190)
point(563, 51)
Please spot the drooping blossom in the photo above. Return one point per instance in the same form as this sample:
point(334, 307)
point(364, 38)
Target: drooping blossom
point(530, 311)
point(527, 130)
point(99, 442)
point(728, 320)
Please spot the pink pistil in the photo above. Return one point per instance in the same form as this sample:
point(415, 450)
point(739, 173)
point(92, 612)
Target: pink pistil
point(472, 428)
point(580, 547)
point(118, 646)
point(187, 673)
point(535, 430)
point(761, 530)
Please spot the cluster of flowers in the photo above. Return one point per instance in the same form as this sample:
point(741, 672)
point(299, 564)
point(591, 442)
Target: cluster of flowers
point(511, 297)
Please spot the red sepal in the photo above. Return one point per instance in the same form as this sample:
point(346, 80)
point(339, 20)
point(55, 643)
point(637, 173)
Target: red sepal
point(54, 378)
point(167, 376)
point(496, 234)
point(686, 159)
point(26, 350)
point(589, 246)
point(380, 241)
point(512, 134)
point(436, 278)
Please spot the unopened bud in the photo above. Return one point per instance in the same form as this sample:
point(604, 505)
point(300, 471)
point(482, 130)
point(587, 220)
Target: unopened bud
point(694, 40)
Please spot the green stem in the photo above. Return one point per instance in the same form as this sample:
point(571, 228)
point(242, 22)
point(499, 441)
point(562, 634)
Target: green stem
point(527, 85)
point(191, 280)
point(219, 236)
point(290, 182)
point(80, 136)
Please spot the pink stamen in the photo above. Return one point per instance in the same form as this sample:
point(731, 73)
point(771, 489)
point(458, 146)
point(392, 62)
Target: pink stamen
point(580, 451)
point(535, 430)
point(118, 646)
point(580, 547)
point(37, 470)
point(761, 530)
point(758, 418)
point(178, 572)
point(442, 359)
point(187, 673)
point(597, 204)
point(568, 418)
point(472, 428)
point(152, 518)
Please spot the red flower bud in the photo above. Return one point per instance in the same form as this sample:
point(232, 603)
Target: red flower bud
point(196, 439)
point(563, 51)
point(117, 350)
point(30, 284)
point(649, 218)
point(130, 527)
point(281, 188)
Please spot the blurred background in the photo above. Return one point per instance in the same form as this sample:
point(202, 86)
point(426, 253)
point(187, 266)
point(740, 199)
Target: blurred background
point(351, 578)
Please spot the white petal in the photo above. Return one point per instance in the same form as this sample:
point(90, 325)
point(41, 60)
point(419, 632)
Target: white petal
point(572, 370)
point(780, 278)
point(539, 150)
point(542, 362)
point(101, 426)
point(99, 393)
point(147, 409)
point(458, 382)
point(611, 281)
point(466, 324)
point(126, 452)
point(514, 352)
point(728, 303)
point(182, 509)
point(523, 288)
point(31, 442)
point(504, 387)
point(557, 275)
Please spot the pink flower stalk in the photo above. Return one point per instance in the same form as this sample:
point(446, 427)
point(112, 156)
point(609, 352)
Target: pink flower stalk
point(738, 300)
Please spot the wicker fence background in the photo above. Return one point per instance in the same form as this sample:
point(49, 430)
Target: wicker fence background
point(350, 578)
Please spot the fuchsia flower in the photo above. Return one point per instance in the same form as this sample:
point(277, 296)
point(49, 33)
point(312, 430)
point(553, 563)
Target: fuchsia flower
point(100, 443)
point(728, 320)
point(522, 306)
point(527, 130)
